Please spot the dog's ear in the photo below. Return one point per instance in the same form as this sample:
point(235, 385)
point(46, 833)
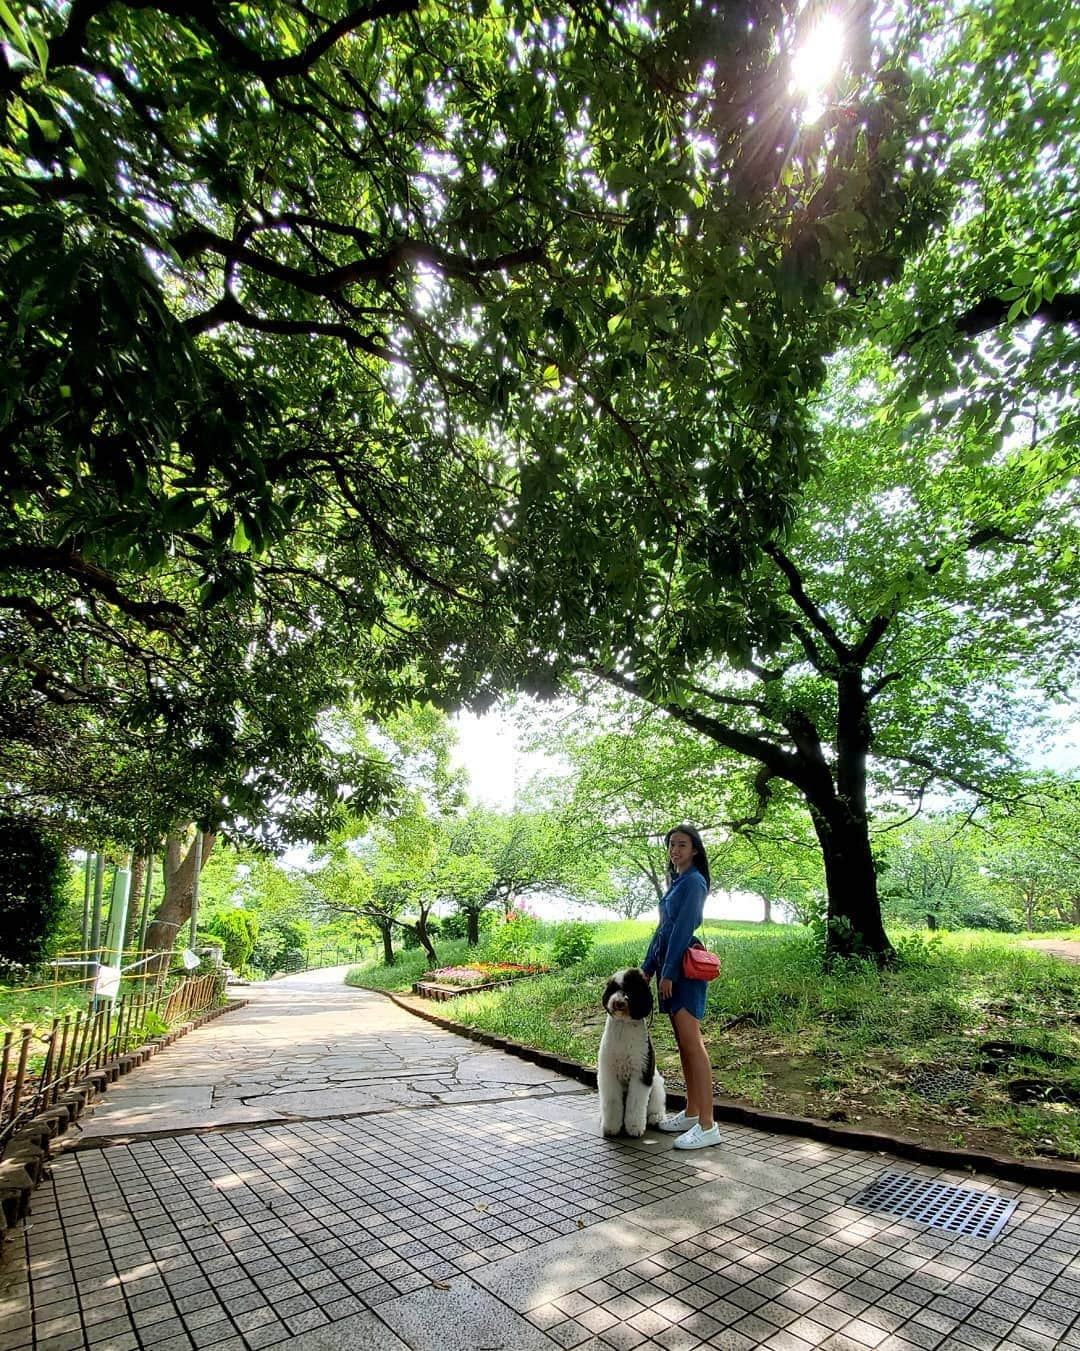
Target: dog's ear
point(638, 993)
point(609, 990)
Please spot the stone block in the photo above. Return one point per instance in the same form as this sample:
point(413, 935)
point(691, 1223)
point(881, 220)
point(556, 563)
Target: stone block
point(25, 1154)
point(33, 1133)
point(16, 1185)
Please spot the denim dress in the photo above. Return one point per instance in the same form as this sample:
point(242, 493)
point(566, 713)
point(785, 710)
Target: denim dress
point(681, 910)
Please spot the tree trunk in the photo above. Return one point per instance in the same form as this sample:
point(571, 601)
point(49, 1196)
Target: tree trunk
point(766, 918)
point(472, 920)
point(175, 909)
point(385, 929)
point(855, 928)
point(135, 900)
point(420, 929)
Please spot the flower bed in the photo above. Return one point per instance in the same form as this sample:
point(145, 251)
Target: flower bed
point(479, 973)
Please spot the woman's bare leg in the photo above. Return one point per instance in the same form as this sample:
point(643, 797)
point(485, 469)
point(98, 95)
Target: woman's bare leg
point(696, 1066)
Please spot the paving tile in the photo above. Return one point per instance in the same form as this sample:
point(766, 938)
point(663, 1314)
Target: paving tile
point(787, 1341)
point(864, 1332)
point(623, 1337)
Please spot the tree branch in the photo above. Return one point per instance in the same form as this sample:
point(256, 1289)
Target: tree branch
point(798, 594)
point(992, 312)
point(196, 240)
point(228, 310)
point(151, 614)
point(781, 763)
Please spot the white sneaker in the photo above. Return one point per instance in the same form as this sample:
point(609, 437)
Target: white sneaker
point(675, 1125)
point(696, 1138)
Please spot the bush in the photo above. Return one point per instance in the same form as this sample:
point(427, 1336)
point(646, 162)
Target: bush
point(516, 939)
point(571, 942)
point(238, 932)
point(276, 940)
point(33, 877)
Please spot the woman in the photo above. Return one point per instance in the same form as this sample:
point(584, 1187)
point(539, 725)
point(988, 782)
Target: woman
point(683, 1000)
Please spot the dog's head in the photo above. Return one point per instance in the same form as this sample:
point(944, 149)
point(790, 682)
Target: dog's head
point(628, 994)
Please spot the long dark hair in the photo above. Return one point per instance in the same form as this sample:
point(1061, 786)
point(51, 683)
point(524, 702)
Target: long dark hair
point(701, 858)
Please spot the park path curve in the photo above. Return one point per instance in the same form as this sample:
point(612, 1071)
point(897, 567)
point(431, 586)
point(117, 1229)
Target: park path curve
point(321, 1169)
point(1067, 948)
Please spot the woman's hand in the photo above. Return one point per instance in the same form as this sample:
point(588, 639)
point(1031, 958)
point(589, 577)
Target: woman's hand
point(666, 986)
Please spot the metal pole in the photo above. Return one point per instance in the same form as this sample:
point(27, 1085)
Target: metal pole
point(94, 945)
point(87, 873)
point(118, 911)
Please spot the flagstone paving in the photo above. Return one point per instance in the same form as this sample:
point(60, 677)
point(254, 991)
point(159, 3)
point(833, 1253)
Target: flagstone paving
point(320, 1168)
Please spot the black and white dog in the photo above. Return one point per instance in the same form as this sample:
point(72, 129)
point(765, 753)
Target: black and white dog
point(631, 1089)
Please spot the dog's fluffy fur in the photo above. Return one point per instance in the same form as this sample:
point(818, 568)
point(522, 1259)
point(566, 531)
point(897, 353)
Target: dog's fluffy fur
point(631, 1089)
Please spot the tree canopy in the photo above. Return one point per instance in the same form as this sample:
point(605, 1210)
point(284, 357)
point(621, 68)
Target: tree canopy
point(355, 355)
point(357, 280)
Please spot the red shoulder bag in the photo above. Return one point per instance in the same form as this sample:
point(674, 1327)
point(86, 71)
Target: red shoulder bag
point(698, 963)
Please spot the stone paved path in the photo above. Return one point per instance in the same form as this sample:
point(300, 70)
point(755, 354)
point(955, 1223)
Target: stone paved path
point(1068, 948)
point(324, 1170)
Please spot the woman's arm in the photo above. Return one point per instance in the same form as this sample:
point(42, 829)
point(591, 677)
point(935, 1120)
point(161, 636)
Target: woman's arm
point(656, 947)
point(686, 907)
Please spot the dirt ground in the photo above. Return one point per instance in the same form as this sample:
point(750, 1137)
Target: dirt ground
point(800, 1086)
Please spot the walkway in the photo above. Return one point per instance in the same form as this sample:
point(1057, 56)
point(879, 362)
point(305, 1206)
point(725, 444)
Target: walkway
point(324, 1170)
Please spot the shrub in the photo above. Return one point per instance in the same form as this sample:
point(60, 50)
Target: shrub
point(33, 875)
point(238, 931)
point(516, 939)
point(571, 942)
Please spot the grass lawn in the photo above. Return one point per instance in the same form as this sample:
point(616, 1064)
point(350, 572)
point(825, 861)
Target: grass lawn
point(973, 1040)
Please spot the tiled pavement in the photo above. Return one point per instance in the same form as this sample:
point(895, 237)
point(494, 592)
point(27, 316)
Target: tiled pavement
point(476, 1206)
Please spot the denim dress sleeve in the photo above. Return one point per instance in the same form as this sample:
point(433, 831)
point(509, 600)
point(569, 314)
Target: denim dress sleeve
point(658, 943)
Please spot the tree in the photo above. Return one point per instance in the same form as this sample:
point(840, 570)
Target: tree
point(397, 867)
point(33, 876)
point(777, 859)
point(880, 640)
point(504, 856)
point(239, 933)
point(319, 359)
point(891, 644)
point(1032, 856)
point(931, 873)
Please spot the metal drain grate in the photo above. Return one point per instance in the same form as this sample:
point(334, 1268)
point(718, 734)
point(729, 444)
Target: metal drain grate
point(961, 1211)
point(938, 1085)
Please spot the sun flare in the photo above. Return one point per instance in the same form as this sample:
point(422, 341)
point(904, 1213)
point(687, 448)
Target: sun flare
point(817, 57)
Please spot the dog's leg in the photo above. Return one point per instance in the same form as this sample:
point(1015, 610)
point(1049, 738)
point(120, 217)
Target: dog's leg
point(657, 1100)
point(611, 1105)
point(637, 1101)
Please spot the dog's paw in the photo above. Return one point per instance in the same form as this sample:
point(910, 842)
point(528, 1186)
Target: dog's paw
point(610, 1134)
